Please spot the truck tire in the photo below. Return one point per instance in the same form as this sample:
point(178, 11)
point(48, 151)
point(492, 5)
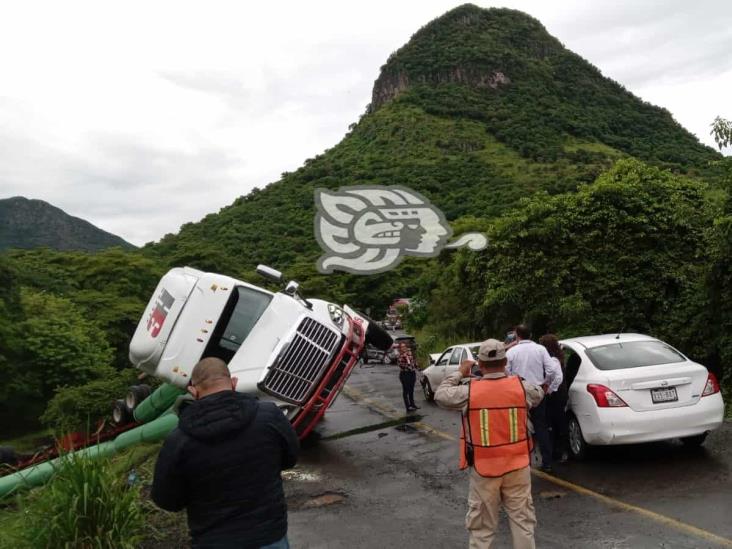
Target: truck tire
point(8, 456)
point(135, 395)
point(121, 414)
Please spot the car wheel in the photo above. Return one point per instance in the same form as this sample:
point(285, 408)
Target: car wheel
point(577, 445)
point(135, 395)
point(694, 441)
point(429, 395)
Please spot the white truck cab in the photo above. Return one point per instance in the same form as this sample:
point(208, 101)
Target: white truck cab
point(282, 347)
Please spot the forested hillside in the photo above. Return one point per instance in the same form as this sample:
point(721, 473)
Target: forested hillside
point(603, 214)
point(26, 223)
point(479, 109)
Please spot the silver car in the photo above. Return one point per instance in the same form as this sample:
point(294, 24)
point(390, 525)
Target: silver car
point(446, 363)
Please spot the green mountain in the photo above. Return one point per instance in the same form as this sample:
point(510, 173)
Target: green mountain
point(479, 109)
point(28, 223)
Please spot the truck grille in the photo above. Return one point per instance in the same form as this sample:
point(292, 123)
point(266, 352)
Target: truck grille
point(299, 366)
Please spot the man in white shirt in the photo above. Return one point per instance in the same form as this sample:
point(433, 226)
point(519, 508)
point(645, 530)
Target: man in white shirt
point(532, 362)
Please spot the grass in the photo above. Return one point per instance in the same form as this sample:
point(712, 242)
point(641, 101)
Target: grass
point(572, 144)
point(29, 442)
point(89, 504)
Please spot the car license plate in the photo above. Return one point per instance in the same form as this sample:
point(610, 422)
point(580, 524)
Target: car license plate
point(664, 395)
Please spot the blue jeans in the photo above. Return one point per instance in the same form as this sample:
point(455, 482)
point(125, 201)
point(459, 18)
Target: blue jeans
point(281, 544)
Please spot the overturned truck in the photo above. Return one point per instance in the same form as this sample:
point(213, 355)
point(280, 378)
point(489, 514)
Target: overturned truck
point(281, 346)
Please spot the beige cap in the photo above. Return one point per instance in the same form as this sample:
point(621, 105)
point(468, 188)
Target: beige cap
point(491, 349)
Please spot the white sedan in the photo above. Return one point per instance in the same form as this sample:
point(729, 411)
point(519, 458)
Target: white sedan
point(630, 388)
point(445, 363)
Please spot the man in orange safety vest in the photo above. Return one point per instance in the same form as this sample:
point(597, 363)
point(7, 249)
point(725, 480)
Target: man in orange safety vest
point(496, 445)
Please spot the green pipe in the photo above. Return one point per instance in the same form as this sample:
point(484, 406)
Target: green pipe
point(158, 402)
point(39, 474)
point(149, 432)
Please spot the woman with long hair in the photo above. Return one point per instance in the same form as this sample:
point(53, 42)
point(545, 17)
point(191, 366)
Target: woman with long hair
point(407, 376)
point(557, 401)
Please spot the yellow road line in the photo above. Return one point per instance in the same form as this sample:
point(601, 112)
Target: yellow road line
point(390, 412)
point(663, 519)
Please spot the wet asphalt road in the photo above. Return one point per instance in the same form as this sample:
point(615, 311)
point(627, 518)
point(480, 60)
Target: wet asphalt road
point(392, 486)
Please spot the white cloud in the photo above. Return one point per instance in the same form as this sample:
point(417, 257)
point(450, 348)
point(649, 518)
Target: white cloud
point(140, 116)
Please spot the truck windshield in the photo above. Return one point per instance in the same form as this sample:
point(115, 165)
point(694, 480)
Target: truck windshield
point(239, 317)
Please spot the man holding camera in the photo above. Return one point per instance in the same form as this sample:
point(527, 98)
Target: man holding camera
point(495, 444)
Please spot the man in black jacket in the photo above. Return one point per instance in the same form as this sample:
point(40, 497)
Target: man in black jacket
point(223, 465)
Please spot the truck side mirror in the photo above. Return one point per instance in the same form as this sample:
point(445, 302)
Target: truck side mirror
point(269, 273)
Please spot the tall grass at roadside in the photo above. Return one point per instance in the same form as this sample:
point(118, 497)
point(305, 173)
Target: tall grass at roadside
point(88, 505)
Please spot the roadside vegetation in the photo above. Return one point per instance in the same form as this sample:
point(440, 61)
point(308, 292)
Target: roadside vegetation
point(94, 504)
point(88, 504)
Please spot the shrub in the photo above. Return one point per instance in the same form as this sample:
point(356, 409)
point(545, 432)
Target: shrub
point(87, 505)
point(77, 408)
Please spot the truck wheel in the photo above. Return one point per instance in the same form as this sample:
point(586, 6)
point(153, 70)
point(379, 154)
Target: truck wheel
point(121, 414)
point(377, 336)
point(8, 456)
point(136, 394)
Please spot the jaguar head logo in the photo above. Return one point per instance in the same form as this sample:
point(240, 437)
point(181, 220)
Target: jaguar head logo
point(370, 229)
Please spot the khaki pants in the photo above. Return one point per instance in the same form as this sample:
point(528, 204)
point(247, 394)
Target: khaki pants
point(485, 496)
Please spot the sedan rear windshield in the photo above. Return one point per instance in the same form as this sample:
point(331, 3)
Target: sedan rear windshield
point(633, 354)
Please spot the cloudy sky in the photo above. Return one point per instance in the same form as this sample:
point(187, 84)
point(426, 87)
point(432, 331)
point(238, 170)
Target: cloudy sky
point(141, 116)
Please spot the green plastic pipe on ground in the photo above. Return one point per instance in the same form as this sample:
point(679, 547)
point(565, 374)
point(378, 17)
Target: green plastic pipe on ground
point(155, 430)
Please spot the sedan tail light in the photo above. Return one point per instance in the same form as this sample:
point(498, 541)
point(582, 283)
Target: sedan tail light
point(712, 386)
point(604, 397)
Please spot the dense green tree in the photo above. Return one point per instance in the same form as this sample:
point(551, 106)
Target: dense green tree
point(719, 281)
point(626, 253)
point(111, 287)
point(55, 345)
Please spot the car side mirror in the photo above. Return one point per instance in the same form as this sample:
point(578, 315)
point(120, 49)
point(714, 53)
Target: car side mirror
point(432, 361)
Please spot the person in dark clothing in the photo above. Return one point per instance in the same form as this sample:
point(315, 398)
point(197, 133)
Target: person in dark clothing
point(556, 402)
point(532, 363)
point(223, 462)
point(407, 376)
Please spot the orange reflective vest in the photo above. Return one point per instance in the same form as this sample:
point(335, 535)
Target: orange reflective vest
point(495, 438)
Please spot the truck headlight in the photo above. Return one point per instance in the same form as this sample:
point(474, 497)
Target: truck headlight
point(336, 314)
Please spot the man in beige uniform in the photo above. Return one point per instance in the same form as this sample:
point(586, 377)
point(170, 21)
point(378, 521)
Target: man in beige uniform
point(487, 490)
